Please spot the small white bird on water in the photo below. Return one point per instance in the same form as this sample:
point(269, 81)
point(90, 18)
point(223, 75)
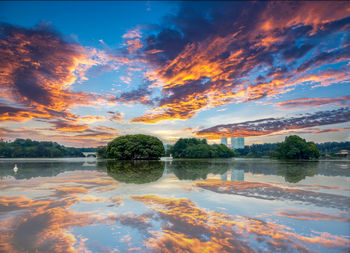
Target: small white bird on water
point(15, 169)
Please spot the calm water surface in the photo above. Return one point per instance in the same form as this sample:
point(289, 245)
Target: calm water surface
point(84, 205)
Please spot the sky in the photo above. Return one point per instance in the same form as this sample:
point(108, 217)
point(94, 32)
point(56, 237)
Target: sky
point(82, 73)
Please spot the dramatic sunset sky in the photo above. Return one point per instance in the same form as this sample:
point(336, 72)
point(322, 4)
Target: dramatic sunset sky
point(81, 73)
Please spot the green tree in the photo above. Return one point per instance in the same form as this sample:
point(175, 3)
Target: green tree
point(195, 148)
point(28, 148)
point(295, 147)
point(102, 152)
point(135, 147)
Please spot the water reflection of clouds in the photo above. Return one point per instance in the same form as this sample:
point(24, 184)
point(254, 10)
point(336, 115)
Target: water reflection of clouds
point(44, 222)
point(274, 192)
point(188, 228)
point(42, 226)
point(88, 210)
point(312, 215)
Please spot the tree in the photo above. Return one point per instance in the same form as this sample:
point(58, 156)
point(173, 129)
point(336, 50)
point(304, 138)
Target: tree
point(195, 148)
point(28, 148)
point(135, 147)
point(295, 147)
point(102, 152)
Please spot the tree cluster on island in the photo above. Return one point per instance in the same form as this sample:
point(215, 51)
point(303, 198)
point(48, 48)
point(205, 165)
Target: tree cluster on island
point(145, 147)
point(294, 147)
point(196, 148)
point(133, 147)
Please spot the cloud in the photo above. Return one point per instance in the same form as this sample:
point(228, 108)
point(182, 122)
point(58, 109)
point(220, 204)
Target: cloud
point(94, 137)
point(140, 95)
point(11, 112)
point(66, 132)
point(132, 34)
point(310, 131)
point(295, 103)
point(116, 116)
point(38, 68)
point(92, 118)
point(209, 55)
point(68, 126)
point(274, 125)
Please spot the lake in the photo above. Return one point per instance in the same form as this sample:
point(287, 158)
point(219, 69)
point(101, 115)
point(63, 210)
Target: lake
point(225, 205)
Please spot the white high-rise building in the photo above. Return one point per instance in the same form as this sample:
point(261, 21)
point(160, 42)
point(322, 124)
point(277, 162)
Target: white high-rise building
point(237, 142)
point(224, 141)
point(240, 142)
point(233, 142)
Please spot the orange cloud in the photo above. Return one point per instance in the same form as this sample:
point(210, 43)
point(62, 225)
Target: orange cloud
point(280, 15)
point(73, 128)
point(37, 72)
point(214, 67)
point(92, 118)
point(39, 67)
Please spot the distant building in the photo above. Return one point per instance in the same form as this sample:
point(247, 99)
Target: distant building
point(237, 142)
point(240, 142)
point(233, 142)
point(224, 141)
point(343, 152)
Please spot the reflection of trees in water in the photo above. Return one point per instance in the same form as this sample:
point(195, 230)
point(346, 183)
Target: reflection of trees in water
point(183, 169)
point(137, 172)
point(27, 170)
point(292, 172)
point(142, 172)
point(192, 170)
point(272, 167)
point(295, 172)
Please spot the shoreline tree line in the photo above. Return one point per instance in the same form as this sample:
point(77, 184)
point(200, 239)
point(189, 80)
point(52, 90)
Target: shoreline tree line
point(145, 147)
point(27, 148)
